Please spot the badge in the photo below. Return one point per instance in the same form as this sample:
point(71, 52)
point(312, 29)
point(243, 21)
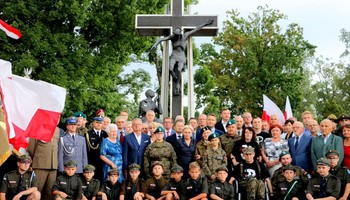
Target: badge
point(172, 188)
point(189, 187)
point(129, 188)
point(218, 188)
point(63, 183)
point(12, 181)
point(152, 184)
point(84, 186)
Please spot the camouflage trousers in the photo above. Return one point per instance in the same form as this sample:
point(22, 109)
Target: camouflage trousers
point(252, 188)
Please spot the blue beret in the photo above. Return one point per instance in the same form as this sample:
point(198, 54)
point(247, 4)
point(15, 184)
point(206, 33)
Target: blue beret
point(71, 120)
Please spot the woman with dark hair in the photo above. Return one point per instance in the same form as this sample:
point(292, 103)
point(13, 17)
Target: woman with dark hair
point(248, 139)
point(287, 129)
point(273, 147)
point(346, 143)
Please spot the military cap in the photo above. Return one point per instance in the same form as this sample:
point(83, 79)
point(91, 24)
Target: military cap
point(71, 120)
point(206, 128)
point(159, 129)
point(283, 153)
point(332, 117)
point(332, 152)
point(89, 168)
point(221, 168)
point(157, 163)
point(177, 168)
point(230, 122)
point(213, 135)
point(98, 119)
point(113, 172)
point(341, 117)
point(289, 167)
point(70, 163)
point(24, 158)
point(323, 161)
point(248, 150)
point(134, 166)
point(79, 114)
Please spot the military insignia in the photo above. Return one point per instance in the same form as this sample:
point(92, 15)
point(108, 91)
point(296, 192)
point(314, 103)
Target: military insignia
point(189, 187)
point(172, 188)
point(129, 188)
point(84, 186)
point(152, 184)
point(108, 188)
point(218, 188)
point(63, 183)
point(12, 181)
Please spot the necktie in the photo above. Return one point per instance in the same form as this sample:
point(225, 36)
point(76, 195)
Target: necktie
point(121, 138)
point(133, 189)
point(167, 133)
point(323, 187)
point(296, 142)
point(19, 187)
point(179, 137)
point(73, 137)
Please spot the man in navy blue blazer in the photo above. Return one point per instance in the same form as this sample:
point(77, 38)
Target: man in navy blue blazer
point(300, 147)
point(135, 145)
point(172, 139)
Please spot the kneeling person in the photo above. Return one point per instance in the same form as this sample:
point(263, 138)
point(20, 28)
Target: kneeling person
point(68, 185)
point(131, 187)
point(196, 187)
point(21, 183)
point(289, 188)
point(154, 185)
point(174, 188)
point(220, 188)
point(111, 189)
point(90, 185)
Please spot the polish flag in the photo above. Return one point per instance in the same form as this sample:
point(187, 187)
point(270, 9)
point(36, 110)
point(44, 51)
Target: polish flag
point(10, 31)
point(32, 108)
point(288, 110)
point(270, 108)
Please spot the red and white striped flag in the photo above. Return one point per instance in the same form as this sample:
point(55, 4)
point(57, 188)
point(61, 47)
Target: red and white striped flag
point(10, 31)
point(270, 108)
point(288, 110)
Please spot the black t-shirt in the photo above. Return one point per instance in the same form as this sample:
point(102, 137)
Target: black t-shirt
point(245, 170)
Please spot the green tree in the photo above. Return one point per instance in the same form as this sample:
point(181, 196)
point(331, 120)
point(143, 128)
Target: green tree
point(256, 57)
point(81, 45)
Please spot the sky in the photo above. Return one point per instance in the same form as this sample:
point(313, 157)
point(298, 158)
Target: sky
point(321, 20)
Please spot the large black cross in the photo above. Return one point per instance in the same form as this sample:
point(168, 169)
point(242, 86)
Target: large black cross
point(162, 25)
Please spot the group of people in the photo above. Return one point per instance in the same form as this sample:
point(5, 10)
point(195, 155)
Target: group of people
point(240, 157)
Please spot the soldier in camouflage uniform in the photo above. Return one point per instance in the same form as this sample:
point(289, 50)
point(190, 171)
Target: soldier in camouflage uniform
point(341, 172)
point(21, 183)
point(300, 174)
point(202, 146)
point(324, 185)
point(90, 185)
point(154, 185)
point(214, 157)
point(159, 150)
point(81, 128)
point(228, 140)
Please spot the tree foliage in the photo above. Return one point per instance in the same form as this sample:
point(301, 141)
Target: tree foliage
point(81, 45)
point(255, 57)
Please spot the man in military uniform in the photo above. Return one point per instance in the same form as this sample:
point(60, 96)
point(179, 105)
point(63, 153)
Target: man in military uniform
point(214, 157)
point(341, 172)
point(72, 147)
point(251, 175)
point(228, 140)
point(196, 187)
point(300, 174)
point(68, 186)
point(323, 185)
point(93, 139)
point(220, 188)
point(289, 188)
point(21, 183)
point(174, 188)
point(45, 163)
point(81, 128)
point(154, 185)
point(131, 187)
point(90, 185)
point(110, 190)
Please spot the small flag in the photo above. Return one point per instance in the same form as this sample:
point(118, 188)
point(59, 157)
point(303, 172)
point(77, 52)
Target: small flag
point(288, 110)
point(270, 108)
point(10, 31)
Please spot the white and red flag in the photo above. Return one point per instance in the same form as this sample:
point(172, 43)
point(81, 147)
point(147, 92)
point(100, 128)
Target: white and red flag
point(270, 108)
point(32, 108)
point(288, 110)
point(10, 31)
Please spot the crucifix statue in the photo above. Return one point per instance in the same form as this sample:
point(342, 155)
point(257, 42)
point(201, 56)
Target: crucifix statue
point(169, 26)
point(178, 58)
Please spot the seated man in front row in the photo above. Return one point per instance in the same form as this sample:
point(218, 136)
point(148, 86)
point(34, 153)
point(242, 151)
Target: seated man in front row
point(21, 183)
point(251, 175)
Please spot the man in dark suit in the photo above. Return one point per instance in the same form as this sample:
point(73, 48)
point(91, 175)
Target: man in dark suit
point(300, 147)
point(320, 145)
point(225, 117)
point(168, 126)
point(135, 145)
point(172, 139)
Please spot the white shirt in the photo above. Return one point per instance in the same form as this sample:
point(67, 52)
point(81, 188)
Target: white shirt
point(138, 138)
